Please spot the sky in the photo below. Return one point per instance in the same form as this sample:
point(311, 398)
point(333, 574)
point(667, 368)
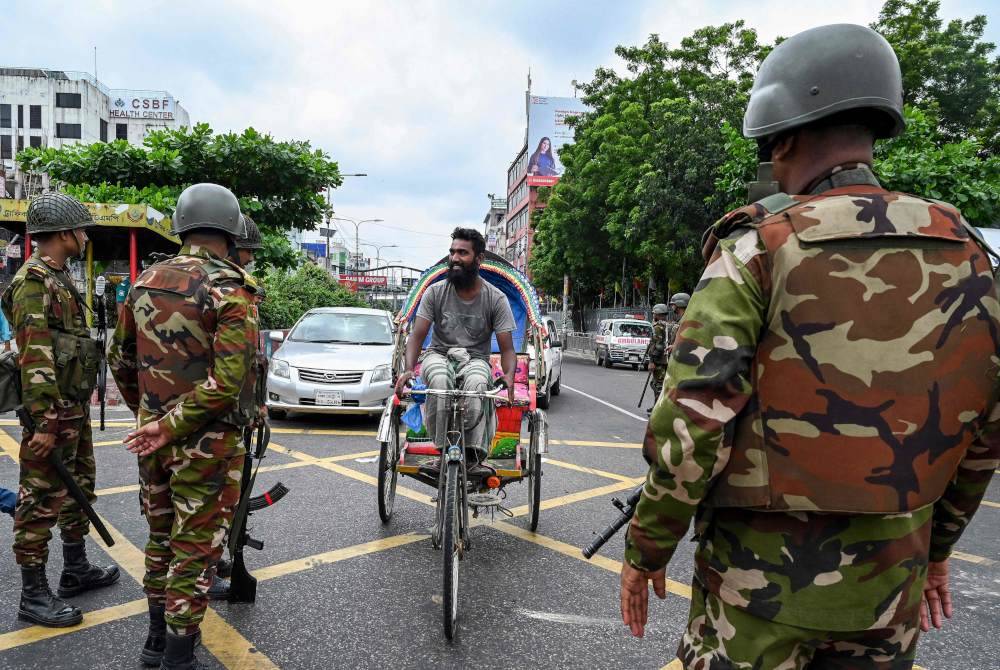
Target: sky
point(427, 98)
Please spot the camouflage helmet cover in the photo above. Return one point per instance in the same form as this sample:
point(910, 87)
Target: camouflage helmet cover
point(208, 206)
point(680, 299)
point(53, 212)
point(252, 238)
point(825, 71)
point(660, 309)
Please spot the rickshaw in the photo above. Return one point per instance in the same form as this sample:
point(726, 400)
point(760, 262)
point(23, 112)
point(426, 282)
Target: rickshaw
point(514, 451)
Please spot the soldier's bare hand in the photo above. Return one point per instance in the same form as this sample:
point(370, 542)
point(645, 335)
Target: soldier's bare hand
point(146, 439)
point(651, 366)
point(635, 595)
point(937, 597)
point(42, 443)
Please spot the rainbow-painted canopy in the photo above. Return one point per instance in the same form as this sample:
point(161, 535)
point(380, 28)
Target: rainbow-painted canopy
point(498, 272)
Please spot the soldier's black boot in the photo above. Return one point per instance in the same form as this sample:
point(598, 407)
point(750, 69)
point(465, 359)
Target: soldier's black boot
point(179, 652)
point(219, 590)
point(156, 639)
point(79, 574)
point(39, 606)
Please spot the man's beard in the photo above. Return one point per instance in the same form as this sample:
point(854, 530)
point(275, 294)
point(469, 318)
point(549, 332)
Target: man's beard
point(462, 276)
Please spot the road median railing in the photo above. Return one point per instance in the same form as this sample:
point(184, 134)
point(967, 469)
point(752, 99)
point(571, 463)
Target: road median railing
point(579, 342)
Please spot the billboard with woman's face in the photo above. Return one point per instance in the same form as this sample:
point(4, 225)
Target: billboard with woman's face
point(548, 130)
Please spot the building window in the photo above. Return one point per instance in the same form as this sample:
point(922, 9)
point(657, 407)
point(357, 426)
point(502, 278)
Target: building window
point(20, 142)
point(104, 130)
point(35, 141)
point(6, 150)
point(68, 100)
point(20, 116)
point(35, 116)
point(71, 131)
point(121, 131)
point(4, 116)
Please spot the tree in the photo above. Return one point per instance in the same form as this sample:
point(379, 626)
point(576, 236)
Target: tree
point(947, 68)
point(289, 296)
point(643, 162)
point(278, 183)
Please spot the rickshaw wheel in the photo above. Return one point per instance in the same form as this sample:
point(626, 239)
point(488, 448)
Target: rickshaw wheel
point(388, 457)
point(539, 432)
point(452, 549)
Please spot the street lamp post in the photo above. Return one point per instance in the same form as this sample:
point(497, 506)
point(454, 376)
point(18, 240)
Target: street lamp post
point(357, 241)
point(378, 250)
point(329, 233)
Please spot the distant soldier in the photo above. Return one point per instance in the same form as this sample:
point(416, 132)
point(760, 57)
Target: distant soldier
point(656, 351)
point(830, 419)
point(183, 357)
point(678, 305)
point(58, 361)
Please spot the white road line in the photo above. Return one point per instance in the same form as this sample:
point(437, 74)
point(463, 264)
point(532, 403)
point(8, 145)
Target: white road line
point(644, 419)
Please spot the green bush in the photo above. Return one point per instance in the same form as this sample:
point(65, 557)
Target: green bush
point(290, 295)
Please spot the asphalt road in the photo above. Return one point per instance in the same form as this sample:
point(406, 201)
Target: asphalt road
point(338, 589)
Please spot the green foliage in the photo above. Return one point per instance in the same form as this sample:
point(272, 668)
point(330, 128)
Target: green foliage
point(947, 68)
point(922, 162)
point(643, 163)
point(289, 296)
point(661, 155)
point(278, 183)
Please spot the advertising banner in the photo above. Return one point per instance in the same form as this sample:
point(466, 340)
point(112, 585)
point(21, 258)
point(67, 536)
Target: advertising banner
point(365, 280)
point(117, 215)
point(126, 104)
point(548, 131)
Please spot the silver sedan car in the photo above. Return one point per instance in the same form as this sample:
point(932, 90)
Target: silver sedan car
point(335, 360)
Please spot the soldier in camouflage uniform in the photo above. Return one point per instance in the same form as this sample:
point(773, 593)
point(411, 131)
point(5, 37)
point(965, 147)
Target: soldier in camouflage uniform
point(656, 352)
point(829, 417)
point(246, 246)
point(678, 305)
point(58, 362)
point(183, 357)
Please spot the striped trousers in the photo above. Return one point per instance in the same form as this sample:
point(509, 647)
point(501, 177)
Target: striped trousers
point(458, 370)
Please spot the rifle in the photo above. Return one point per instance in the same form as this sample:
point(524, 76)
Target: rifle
point(627, 510)
point(645, 385)
point(243, 585)
point(67, 479)
point(102, 341)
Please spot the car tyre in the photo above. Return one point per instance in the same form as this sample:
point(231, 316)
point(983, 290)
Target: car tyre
point(608, 363)
point(542, 399)
point(557, 387)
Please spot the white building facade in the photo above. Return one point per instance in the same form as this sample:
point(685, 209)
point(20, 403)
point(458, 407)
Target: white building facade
point(53, 108)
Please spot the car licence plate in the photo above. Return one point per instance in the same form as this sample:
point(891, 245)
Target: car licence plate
point(633, 357)
point(329, 397)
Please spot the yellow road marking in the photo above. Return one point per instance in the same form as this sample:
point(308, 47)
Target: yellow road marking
point(565, 549)
point(674, 665)
point(10, 446)
point(232, 650)
point(109, 443)
point(972, 558)
point(323, 431)
point(588, 443)
point(989, 503)
point(264, 468)
point(591, 471)
point(32, 634)
point(119, 424)
point(317, 560)
point(579, 496)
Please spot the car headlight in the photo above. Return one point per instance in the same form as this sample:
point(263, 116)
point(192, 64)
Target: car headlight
point(382, 373)
point(280, 368)
point(615, 347)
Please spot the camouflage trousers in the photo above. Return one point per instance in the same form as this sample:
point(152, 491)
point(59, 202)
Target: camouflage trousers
point(189, 495)
point(656, 380)
point(721, 636)
point(43, 500)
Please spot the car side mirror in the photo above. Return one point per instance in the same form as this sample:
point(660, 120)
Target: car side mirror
point(276, 336)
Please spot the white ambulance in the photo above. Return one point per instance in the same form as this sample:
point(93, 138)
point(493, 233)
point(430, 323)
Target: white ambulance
point(621, 341)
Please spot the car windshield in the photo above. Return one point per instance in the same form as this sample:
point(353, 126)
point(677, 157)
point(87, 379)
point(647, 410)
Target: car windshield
point(333, 327)
point(633, 330)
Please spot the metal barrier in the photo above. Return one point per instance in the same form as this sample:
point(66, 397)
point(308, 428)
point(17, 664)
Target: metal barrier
point(579, 342)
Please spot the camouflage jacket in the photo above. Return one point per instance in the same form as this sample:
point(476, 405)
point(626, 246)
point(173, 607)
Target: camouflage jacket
point(656, 352)
point(40, 307)
point(672, 329)
point(806, 568)
point(184, 351)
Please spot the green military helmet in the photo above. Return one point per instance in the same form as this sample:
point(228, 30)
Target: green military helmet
point(252, 238)
point(680, 300)
point(53, 212)
point(825, 71)
point(208, 206)
point(660, 309)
